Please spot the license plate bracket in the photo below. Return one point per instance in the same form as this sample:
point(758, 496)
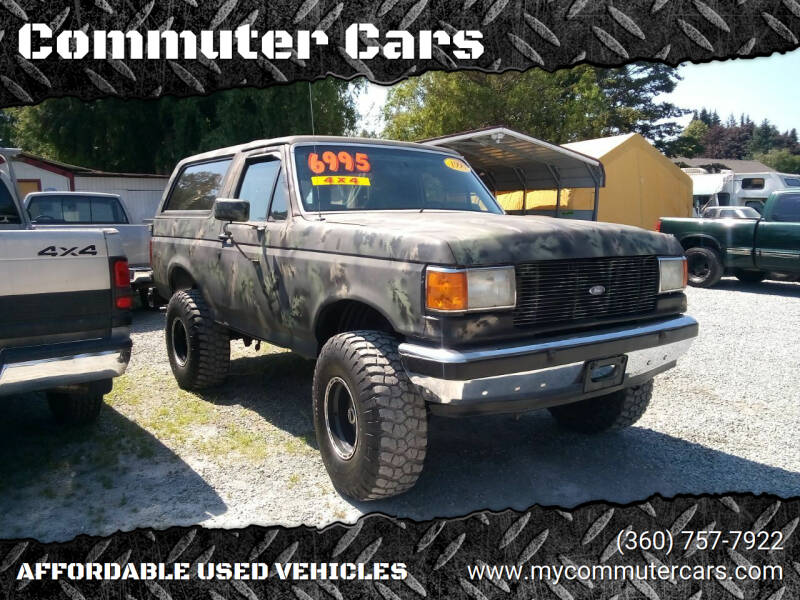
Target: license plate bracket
point(604, 373)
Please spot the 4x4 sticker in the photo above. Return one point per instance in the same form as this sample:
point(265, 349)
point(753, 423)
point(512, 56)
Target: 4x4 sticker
point(90, 250)
point(339, 180)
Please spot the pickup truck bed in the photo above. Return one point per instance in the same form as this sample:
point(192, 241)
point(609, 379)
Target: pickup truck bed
point(64, 310)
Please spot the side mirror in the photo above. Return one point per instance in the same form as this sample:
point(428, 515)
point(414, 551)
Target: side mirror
point(229, 209)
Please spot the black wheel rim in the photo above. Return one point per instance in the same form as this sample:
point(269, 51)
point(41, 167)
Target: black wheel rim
point(341, 418)
point(699, 266)
point(180, 342)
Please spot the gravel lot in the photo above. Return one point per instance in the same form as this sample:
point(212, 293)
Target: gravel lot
point(726, 419)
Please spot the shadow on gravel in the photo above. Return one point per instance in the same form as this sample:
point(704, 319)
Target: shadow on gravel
point(59, 481)
point(770, 288)
point(501, 462)
point(275, 386)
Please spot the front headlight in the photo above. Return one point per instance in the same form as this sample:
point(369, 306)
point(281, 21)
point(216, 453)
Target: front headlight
point(672, 274)
point(460, 290)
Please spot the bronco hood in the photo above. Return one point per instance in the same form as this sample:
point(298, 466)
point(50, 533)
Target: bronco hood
point(488, 239)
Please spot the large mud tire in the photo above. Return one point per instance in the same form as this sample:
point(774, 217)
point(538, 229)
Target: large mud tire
point(199, 349)
point(370, 420)
point(617, 410)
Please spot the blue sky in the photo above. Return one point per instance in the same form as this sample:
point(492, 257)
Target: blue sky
point(767, 87)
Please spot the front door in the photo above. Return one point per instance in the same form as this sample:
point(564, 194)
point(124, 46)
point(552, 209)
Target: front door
point(255, 296)
point(777, 247)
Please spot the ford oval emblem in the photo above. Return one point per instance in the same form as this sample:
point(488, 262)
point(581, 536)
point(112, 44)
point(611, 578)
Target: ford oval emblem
point(597, 290)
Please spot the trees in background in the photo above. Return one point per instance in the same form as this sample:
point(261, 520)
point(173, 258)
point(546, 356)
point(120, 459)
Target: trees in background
point(707, 136)
point(564, 106)
point(152, 135)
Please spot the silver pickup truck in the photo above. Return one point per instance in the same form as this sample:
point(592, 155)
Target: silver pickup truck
point(91, 210)
point(65, 302)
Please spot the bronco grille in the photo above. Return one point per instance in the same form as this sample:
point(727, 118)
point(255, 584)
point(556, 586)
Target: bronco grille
point(557, 292)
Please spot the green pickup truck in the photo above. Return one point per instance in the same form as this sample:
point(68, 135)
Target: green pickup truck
point(746, 248)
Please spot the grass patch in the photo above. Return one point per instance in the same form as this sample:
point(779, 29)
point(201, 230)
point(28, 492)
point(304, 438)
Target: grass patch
point(232, 439)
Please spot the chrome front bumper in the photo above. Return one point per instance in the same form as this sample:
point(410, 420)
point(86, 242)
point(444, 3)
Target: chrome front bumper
point(548, 372)
point(47, 372)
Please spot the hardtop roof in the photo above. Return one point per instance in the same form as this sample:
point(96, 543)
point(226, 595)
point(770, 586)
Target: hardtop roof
point(308, 139)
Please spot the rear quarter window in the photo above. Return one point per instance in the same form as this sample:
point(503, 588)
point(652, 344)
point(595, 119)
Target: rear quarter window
point(198, 186)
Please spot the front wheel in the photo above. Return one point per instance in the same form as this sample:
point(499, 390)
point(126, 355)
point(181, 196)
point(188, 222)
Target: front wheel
point(616, 410)
point(199, 349)
point(370, 421)
point(704, 266)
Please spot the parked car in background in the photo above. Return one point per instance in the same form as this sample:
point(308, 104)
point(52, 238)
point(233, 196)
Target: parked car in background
point(65, 306)
point(748, 248)
point(393, 265)
point(67, 210)
point(731, 212)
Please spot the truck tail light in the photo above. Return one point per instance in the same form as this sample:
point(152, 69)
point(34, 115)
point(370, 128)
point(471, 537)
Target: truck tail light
point(658, 225)
point(123, 298)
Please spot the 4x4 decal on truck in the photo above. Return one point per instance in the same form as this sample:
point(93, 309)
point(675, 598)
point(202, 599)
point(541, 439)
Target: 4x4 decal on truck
point(53, 251)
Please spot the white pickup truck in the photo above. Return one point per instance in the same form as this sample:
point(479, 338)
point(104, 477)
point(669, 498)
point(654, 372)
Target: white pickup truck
point(65, 301)
point(92, 210)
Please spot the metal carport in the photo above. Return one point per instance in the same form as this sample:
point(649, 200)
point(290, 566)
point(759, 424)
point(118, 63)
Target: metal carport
point(508, 161)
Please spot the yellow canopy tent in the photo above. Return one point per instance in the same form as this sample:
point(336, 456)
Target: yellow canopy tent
point(642, 185)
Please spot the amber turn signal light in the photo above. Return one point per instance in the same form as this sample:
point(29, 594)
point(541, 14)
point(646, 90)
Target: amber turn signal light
point(446, 290)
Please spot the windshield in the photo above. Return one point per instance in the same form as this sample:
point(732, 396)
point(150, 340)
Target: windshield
point(343, 177)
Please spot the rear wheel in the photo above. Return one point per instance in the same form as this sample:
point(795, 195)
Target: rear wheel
point(617, 410)
point(704, 266)
point(80, 405)
point(371, 422)
point(750, 276)
point(199, 348)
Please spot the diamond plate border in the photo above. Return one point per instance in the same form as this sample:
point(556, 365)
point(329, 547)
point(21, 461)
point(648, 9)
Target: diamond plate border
point(518, 34)
point(437, 552)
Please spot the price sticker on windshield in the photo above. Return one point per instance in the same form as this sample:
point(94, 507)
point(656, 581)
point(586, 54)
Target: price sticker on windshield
point(457, 165)
point(336, 162)
point(339, 180)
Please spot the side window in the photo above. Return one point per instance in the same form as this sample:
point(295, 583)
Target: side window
point(724, 198)
point(753, 183)
point(787, 208)
point(257, 184)
point(107, 210)
point(756, 205)
point(8, 211)
point(792, 181)
point(42, 209)
point(198, 186)
point(279, 209)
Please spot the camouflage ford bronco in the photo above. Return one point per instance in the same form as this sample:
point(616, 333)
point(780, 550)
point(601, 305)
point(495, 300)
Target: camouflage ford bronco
point(392, 264)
